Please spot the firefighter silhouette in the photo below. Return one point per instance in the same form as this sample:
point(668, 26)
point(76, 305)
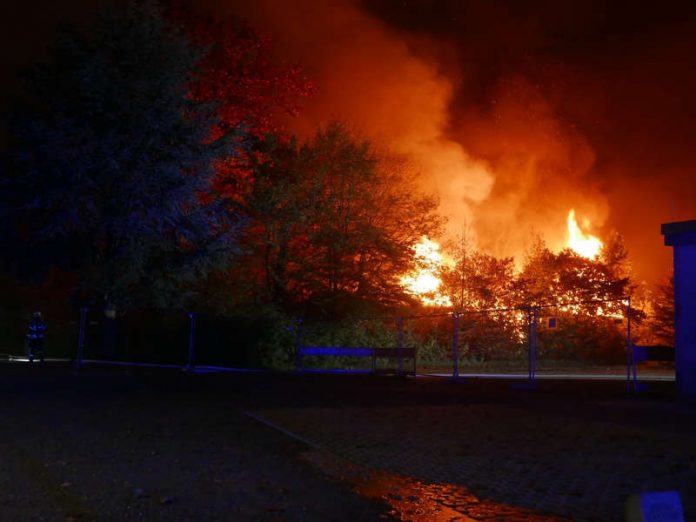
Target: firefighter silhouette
point(35, 337)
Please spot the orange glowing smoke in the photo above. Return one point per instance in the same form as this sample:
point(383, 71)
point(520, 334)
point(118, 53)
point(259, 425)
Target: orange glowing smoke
point(424, 282)
point(583, 243)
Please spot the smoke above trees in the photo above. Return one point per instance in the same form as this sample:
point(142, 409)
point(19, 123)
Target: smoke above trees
point(514, 114)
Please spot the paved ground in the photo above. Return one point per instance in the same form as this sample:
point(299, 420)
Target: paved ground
point(567, 450)
point(159, 445)
point(118, 447)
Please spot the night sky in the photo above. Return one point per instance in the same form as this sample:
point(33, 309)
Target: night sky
point(515, 112)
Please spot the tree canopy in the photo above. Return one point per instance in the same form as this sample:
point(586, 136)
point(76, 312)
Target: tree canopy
point(333, 223)
point(112, 163)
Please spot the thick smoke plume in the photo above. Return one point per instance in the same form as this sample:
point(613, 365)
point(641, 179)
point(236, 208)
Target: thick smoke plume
point(368, 76)
point(513, 118)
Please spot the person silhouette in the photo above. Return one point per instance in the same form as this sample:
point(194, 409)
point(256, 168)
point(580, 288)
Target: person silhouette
point(35, 337)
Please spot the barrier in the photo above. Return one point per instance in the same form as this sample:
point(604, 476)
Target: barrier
point(513, 342)
point(396, 353)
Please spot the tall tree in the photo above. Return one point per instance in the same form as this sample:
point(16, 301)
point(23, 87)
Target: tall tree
point(251, 88)
point(484, 286)
point(238, 71)
point(535, 282)
point(615, 256)
point(335, 223)
point(113, 162)
point(478, 281)
point(586, 296)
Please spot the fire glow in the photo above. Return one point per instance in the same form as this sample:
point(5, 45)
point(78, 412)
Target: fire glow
point(583, 243)
point(424, 281)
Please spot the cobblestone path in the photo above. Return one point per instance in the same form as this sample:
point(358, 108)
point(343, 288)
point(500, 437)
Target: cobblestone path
point(499, 462)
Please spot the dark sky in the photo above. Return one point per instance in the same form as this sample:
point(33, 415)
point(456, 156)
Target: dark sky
point(514, 111)
point(26, 29)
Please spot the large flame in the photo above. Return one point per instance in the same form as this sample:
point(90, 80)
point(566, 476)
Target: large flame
point(583, 243)
point(424, 281)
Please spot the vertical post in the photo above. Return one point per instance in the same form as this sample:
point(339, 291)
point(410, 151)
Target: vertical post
point(192, 342)
point(299, 359)
point(455, 345)
point(109, 344)
point(629, 343)
point(531, 342)
point(81, 338)
point(400, 343)
point(535, 320)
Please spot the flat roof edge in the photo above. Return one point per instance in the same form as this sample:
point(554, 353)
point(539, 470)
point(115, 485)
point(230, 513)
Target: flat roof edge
point(678, 227)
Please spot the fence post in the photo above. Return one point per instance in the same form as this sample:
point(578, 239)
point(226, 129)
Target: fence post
point(400, 343)
point(81, 338)
point(531, 343)
point(629, 348)
point(535, 320)
point(192, 342)
point(299, 359)
point(455, 345)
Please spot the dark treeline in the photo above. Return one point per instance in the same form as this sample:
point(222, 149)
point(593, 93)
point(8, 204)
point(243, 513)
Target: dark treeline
point(145, 170)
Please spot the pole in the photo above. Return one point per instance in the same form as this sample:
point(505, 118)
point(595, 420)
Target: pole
point(629, 344)
point(531, 342)
point(192, 342)
point(535, 313)
point(299, 362)
point(455, 345)
point(81, 338)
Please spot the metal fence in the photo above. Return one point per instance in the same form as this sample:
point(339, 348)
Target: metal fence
point(579, 338)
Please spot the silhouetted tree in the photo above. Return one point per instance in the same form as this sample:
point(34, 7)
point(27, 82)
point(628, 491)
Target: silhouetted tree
point(479, 281)
point(112, 164)
point(239, 73)
point(250, 87)
point(333, 223)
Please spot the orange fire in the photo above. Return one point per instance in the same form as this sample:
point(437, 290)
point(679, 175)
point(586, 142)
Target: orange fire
point(583, 243)
point(424, 281)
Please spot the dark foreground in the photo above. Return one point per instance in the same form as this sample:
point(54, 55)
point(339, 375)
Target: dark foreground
point(162, 445)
